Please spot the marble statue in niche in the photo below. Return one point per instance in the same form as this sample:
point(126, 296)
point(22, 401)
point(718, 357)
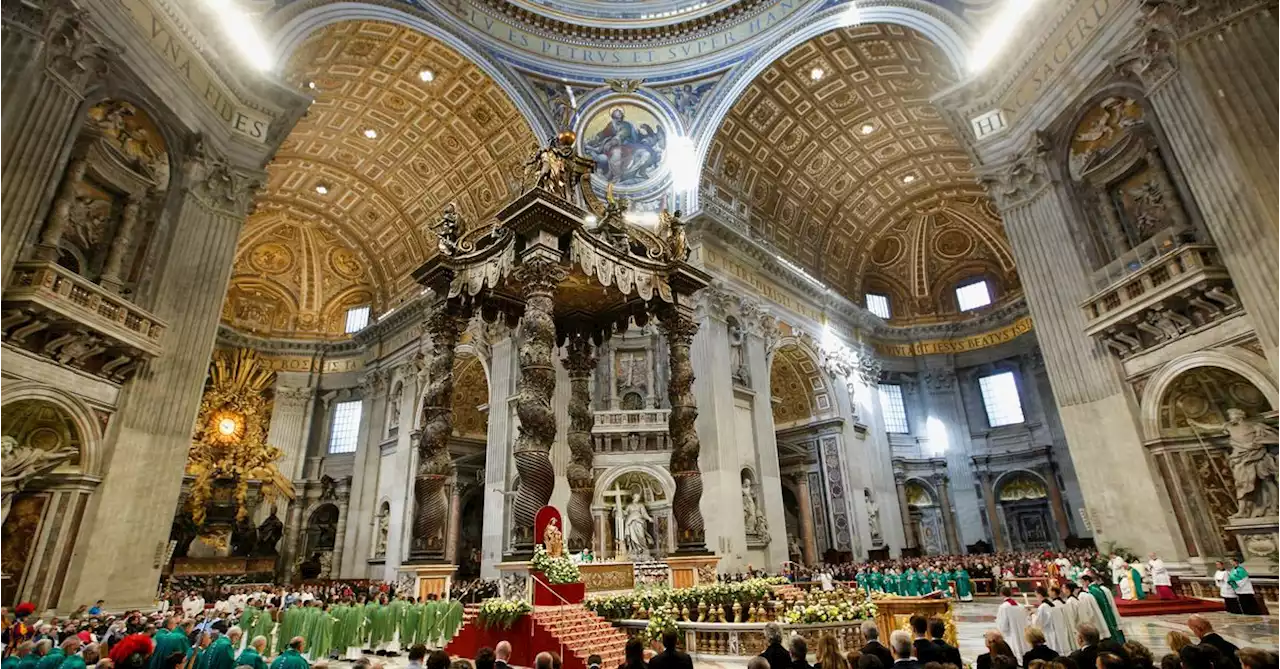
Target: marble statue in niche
point(21, 465)
point(753, 518)
point(633, 523)
point(393, 416)
point(737, 353)
point(382, 531)
point(1252, 465)
point(873, 517)
point(631, 374)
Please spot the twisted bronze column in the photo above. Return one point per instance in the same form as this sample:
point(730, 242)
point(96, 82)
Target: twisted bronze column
point(581, 363)
point(679, 329)
point(435, 466)
point(539, 276)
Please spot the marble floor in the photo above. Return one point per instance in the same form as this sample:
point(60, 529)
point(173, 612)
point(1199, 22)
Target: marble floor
point(975, 618)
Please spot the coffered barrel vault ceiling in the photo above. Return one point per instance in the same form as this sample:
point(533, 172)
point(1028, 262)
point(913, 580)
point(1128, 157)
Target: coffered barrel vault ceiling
point(854, 176)
point(457, 137)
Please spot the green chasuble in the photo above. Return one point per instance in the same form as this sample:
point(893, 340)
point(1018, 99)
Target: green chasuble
point(877, 581)
point(29, 662)
point(963, 585)
point(290, 659)
point(320, 640)
point(397, 607)
point(249, 616)
point(450, 620)
point(290, 625)
point(263, 625)
point(12, 662)
point(340, 614)
point(1136, 577)
point(73, 662)
point(219, 655)
point(429, 624)
point(409, 625)
point(1108, 614)
point(366, 628)
point(250, 658)
point(53, 659)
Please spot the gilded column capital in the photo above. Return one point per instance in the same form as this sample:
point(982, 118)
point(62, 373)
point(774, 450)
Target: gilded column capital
point(218, 184)
point(1019, 181)
point(540, 274)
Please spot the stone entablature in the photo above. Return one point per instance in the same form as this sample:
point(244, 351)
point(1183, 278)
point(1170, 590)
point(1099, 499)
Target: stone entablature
point(1181, 291)
point(62, 316)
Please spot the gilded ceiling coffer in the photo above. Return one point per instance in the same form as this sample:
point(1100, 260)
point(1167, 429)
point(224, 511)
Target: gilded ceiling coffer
point(565, 284)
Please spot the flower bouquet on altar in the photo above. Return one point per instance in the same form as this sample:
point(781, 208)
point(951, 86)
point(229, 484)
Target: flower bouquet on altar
point(558, 570)
point(502, 613)
point(556, 579)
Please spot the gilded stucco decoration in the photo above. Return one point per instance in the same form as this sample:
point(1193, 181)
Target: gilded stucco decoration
point(229, 443)
point(797, 385)
point(294, 279)
point(918, 496)
point(1021, 486)
point(854, 174)
point(470, 394)
point(401, 126)
point(131, 134)
point(42, 425)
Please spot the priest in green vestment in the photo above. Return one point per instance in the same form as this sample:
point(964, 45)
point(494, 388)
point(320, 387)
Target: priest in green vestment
point(1107, 603)
point(320, 639)
point(396, 611)
point(264, 625)
point(86, 656)
point(366, 630)
point(220, 654)
point(429, 624)
point(292, 657)
point(451, 620)
point(964, 585)
point(252, 655)
point(409, 624)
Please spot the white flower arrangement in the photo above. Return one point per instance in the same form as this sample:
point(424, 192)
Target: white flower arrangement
point(502, 613)
point(558, 570)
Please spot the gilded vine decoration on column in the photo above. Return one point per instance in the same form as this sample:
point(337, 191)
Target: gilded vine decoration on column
point(685, 448)
point(539, 276)
point(435, 466)
point(581, 363)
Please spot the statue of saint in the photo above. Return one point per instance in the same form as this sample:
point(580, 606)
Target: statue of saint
point(635, 527)
point(384, 523)
point(447, 229)
point(20, 465)
point(269, 533)
point(1252, 466)
point(873, 517)
point(553, 538)
point(752, 518)
point(671, 231)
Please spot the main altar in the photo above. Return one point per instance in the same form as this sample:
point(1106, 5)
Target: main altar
point(568, 271)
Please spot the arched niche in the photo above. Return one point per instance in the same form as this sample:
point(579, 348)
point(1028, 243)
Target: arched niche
point(656, 488)
point(1023, 498)
point(925, 516)
point(798, 386)
point(1251, 366)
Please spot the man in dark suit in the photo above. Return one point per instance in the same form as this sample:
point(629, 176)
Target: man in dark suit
point(670, 657)
point(923, 649)
point(900, 644)
point(1039, 650)
point(873, 646)
point(1203, 630)
point(800, 653)
point(950, 654)
point(778, 657)
point(1087, 636)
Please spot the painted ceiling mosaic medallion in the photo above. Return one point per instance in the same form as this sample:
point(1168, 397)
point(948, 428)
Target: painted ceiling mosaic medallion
point(627, 142)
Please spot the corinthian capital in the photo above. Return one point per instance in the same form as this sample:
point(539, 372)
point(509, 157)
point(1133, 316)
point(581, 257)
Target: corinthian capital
point(293, 398)
point(218, 184)
point(1021, 180)
point(72, 51)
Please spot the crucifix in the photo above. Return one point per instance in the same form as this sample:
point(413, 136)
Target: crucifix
point(614, 500)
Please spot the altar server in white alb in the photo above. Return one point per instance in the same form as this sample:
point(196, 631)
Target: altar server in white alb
point(1065, 618)
point(1048, 622)
point(1160, 577)
point(1011, 620)
point(1227, 592)
point(1086, 609)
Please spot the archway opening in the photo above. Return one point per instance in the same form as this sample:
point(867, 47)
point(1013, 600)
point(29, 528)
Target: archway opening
point(1024, 505)
point(926, 518)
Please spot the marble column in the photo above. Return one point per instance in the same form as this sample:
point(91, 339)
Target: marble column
point(904, 510)
point(292, 532)
point(536, 390)
point(339, 548)
point(120, 245)
point(993, 512)
point(808, 541)
point(148, 453)
point(60, 216)
point(679, 327)
point(1211, 78)
point(719, 461)
point(948, 516)
point(435, 468)
point(497, 463)
point(580, 363)
point(42, 99)
point(1094, 407)
point(363, 500)
point(455, 522)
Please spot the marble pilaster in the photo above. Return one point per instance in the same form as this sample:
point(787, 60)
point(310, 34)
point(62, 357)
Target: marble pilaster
point(993, 512)
point(150, 450)
point(497, 463)
point(947, 419)
point(290, 426)
point(948, 515)
point(713, 389)
point(808, 540)
point(1211, 77)
point(363, 500)
point(1096, 413)
point(766, 452)
point(904, 511)
point(1056, 507)
point(60, 58)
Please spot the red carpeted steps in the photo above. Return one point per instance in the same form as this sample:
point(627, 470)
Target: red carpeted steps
point(572, 631)
point(1159, 607)
point(583, 633)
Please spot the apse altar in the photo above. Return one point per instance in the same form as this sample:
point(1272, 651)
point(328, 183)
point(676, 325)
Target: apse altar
point(567, 271)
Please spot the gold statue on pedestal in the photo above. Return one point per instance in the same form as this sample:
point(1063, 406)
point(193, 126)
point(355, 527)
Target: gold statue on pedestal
point(553, 538)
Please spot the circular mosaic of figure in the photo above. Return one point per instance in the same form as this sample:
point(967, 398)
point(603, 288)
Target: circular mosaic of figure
point(1247, 394)
point(271, 258)
point(953, 244)
point(887, 251)
point(344, 262)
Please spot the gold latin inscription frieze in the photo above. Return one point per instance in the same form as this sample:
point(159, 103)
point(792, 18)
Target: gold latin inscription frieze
point(1080, 25)
point(935, 346)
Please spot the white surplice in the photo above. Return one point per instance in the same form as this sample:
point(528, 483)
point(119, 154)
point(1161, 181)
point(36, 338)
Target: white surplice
point(1011, 620)
point(1090, 612)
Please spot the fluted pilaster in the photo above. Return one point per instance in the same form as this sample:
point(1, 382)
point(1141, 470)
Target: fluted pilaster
point(40, 104)
point(154, 424)
point(580, 363)
point(290, 423)
point(1211, 76)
